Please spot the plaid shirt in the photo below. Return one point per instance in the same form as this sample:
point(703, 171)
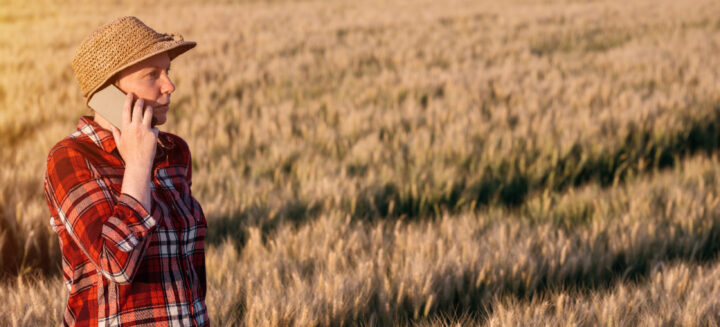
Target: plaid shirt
point(123, 265)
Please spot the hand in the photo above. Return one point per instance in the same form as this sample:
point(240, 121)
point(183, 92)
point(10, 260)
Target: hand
point(136, 143)
point(138, 139)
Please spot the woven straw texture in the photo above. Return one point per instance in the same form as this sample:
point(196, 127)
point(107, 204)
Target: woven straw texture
point(118, 45)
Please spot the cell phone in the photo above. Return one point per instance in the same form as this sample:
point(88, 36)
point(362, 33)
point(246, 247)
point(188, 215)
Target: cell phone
point(108, 102)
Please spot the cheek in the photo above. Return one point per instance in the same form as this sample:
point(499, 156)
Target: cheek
point(142, 89)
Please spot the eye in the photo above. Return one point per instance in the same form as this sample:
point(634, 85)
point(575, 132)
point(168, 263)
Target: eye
point(154, 74)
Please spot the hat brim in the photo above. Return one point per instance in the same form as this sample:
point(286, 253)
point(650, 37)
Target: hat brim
point(173, 48)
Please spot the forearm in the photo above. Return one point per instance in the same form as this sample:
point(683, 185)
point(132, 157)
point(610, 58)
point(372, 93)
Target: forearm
point(136, 183)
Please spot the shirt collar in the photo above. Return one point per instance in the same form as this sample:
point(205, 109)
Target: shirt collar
point(103, 138)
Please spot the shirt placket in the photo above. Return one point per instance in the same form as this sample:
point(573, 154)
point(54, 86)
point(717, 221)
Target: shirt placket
point(177, 212)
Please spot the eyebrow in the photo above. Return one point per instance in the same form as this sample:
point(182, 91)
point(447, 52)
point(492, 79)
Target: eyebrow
point(158, 67)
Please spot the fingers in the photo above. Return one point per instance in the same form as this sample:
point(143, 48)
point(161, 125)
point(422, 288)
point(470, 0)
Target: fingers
point(127, 109)
point(138, 110)
point(147, 116)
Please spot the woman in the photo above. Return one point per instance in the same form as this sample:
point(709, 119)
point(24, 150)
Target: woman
point(131, 234)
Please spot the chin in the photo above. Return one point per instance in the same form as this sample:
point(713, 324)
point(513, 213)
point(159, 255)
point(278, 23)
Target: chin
point(159, 121)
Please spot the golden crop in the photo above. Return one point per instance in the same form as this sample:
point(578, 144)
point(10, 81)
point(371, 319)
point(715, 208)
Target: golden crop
point(406, 162)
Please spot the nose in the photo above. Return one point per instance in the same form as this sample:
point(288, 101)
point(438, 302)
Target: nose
point(167, 86)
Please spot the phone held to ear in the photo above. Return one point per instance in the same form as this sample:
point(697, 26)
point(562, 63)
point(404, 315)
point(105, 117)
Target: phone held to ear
point(108, 102)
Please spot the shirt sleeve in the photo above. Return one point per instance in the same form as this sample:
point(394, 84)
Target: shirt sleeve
point(113, 234)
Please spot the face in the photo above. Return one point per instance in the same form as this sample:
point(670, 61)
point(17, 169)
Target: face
point(149, 81)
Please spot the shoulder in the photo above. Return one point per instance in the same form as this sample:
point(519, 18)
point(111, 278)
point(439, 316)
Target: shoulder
point(70, 146)
point(67, 161)
point(79, 144)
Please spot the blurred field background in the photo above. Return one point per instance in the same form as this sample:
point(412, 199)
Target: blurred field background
point(462, 162)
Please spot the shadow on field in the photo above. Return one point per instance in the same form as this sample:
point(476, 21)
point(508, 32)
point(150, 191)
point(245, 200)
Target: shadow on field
point(622, 271)
point(235, 226)
point(509, 182)
point(467, 299)
point(463, 296)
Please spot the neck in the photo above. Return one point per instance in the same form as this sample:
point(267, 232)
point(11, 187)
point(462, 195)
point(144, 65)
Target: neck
point(102, 122)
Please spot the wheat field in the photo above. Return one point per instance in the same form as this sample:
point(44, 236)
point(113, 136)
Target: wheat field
point(461, 162)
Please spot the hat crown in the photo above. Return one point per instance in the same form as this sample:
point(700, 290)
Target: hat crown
point(114, 46)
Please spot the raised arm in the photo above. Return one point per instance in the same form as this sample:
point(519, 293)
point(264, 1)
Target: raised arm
point(112, 234)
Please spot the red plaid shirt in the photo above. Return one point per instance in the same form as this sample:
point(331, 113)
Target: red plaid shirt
point(123, 265)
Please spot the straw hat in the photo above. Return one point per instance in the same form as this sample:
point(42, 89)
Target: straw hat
point(118, 45)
